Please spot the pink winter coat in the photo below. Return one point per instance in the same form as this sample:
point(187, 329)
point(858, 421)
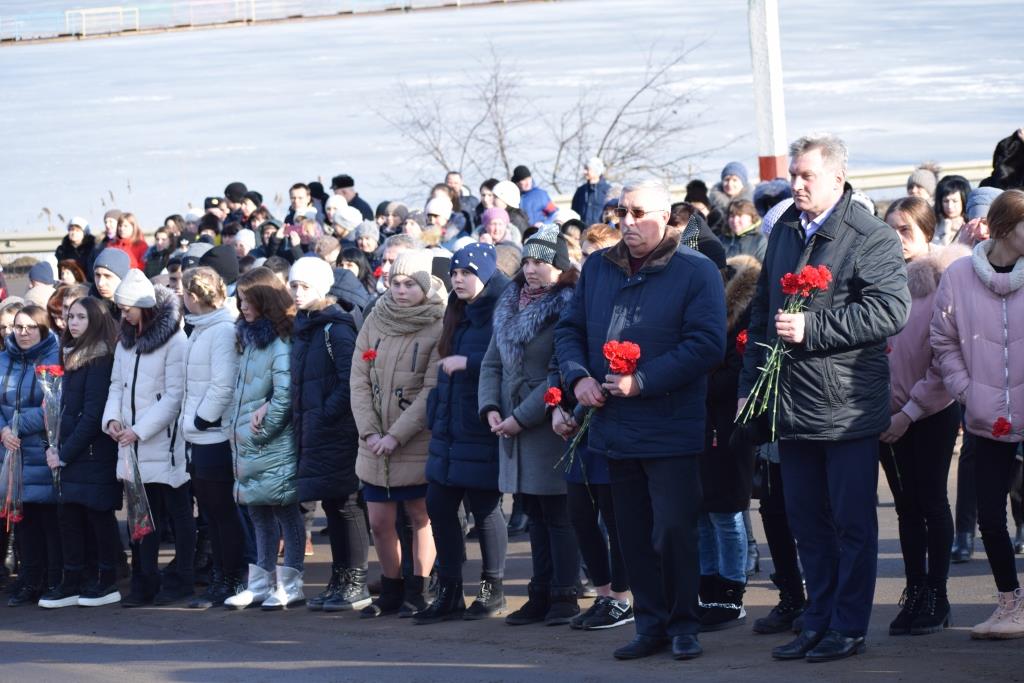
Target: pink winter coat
point(917, 387)
point(977, 335)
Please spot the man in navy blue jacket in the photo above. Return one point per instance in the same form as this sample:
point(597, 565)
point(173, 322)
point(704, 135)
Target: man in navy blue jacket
point(590, 197)
point(650, 425)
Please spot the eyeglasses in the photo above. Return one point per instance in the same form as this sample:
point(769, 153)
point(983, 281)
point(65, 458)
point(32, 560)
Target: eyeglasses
point(638, 213)
point(24, 329)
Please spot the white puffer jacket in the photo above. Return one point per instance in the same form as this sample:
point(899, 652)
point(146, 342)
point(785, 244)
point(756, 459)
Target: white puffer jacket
point(146, 388)
point(211, 365)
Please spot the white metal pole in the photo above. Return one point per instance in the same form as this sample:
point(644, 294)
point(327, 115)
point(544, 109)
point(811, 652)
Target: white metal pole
point(769, 101)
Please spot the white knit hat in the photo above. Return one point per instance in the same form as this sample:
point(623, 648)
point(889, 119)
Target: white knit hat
point(315, 272)
point(507, 192)
point(247, 237)
point(135, 290)
point(416, 264)
point(347, 217)
point(439, 206)
point(335, 201)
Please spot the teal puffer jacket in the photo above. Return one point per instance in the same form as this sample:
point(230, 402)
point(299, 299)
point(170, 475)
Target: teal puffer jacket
point(264, 460)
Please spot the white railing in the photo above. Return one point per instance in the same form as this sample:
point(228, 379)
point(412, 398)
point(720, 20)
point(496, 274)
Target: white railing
point(154, 15)
point(100, 20)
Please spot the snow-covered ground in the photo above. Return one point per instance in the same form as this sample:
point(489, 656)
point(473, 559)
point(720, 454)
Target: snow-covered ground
point(162, 120)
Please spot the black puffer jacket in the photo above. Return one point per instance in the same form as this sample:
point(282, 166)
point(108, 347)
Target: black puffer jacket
point(326, 438)
point(834, 386)
point(82, 254)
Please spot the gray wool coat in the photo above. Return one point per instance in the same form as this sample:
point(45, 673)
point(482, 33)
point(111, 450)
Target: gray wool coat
point(513, 379)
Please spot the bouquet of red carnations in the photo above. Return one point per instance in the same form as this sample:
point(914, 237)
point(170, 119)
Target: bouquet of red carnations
point(11, 484)
point(799, 289)
point(140, 518)
point(51, 379)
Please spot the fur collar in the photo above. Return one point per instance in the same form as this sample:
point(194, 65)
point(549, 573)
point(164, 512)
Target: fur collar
point(164, 326)
point(739, 290)
point(924, 273)
point(259, 334)
point(76, 359)
point(513, 328)
point(1002, 284)
point(656, 260)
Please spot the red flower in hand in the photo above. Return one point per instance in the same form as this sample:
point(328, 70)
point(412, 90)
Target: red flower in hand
point(790, 284)
point(741, 342)
point(553, 397)
point(378, 271)
point(1001, 427)
point(370, 355)
point(622, 357)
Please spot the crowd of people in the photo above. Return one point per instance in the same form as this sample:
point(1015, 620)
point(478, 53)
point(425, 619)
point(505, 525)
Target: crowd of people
point(407, 368)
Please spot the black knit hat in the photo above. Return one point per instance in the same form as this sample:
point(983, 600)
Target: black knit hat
point(255, 197)
point(520, 173)
point(224, 260)
point(340, 182)
point(235, 192)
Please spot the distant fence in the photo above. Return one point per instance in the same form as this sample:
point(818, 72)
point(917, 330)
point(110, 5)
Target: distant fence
point(183, 14)
point(13, 244)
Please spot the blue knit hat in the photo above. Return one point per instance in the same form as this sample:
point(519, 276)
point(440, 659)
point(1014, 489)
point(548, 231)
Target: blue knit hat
point(979, 200)
point(737, 169)
point(41, 272)
point(478, 258)
point(770, 193)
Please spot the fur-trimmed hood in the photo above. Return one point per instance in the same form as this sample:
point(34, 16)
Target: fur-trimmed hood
point(76, 358)
point(924, 273)
point(739, 290)
point(166, 323)
point(514, 328)
point(260, 333)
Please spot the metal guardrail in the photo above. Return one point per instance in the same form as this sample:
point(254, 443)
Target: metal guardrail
point(158, 15)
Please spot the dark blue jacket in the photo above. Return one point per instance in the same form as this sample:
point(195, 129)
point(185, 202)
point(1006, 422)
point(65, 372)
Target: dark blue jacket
point(363, 206)
point(326, 438)
point(89, 475)
point(20, 392)
point(674, 309)
point(588, 201)
point(463, 451)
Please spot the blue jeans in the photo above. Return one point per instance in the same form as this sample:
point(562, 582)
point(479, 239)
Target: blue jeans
point(723, 545)
point(273, 522)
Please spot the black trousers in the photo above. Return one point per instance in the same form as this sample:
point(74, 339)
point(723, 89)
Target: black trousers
point(831, 509)
point(347, 531)
point(777, 533)
point(917, 468)
point(994, 466)
point(80, 529)
point(600, 552)
point(966, 503)
point(553, 548)
point(659, 501)
point(224, 525)
point(443, 507)
point(175, 505)
point(38, 538)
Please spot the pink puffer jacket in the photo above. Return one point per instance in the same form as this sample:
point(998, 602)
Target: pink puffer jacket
point(977, 334)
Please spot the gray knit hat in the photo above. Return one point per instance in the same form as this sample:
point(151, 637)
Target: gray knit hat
point(548, 245)
point(135, 290)
point(113, 259)
point(979, 200)
point(367, 229)
point(924, 178)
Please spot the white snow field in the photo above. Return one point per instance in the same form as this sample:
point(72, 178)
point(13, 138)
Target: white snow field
point(163, 120)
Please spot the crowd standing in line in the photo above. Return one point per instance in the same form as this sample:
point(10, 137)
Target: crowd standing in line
point(406, 368)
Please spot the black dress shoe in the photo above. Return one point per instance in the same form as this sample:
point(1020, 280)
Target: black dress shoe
point(686, 647)
point(798, 648)
point(641, 646)
point(836, 646)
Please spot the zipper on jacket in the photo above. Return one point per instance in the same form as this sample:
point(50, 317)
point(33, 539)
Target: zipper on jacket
point(415, 353)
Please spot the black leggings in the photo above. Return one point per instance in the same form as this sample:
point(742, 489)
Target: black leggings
point(443, 507)
point(917, 467)
point(601, 553)
point(993, 473)
point(174, 505)
point(346, 528)
point(79, 527)
point(776, 525)
point(227, 539)
point(553, 547)
point(38, 538)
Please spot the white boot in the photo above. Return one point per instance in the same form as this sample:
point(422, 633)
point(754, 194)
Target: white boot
point(1008, 605)
point(288, 592)
point(1012, 623)
point(258, 589)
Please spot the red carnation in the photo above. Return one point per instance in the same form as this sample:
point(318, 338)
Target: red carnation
point(1001, 427)
point(370, 355)
point(741, 342)
point(553, 397)
point(790, 284)
point(622, 357)
point(378, 271)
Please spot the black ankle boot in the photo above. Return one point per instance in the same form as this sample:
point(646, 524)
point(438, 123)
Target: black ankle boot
point(535, 609)
point(316, 603)
point(352, 594)
point(932, 613)
point(1018, 541)
point(726, 610)
point(705, 593)
point(909, 603)
point(490, 600)
point(448, 605)
point(388, 602)
point(753, 558)
point(412, 597)
point(792, 603)
point(562, 606)
point(963, 548)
